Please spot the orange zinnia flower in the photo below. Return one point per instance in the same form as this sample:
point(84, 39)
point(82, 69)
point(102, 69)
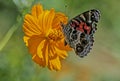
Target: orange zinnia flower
point(44, 37)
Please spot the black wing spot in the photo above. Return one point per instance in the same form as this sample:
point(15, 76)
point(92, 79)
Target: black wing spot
point(79, 48)
point(75, 31)
point(84, 42)
point(82, 35)
point(74, 36)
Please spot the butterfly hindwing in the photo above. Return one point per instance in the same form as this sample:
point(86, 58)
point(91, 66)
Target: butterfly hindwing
point(80, 30)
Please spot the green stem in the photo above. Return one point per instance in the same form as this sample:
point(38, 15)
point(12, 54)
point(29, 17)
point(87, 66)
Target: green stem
point(9, 34)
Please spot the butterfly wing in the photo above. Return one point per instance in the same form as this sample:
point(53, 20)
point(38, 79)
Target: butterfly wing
point(80, 30)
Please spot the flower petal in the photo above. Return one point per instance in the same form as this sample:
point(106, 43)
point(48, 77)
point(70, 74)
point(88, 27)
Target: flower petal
point(59, 17)
point(33, 43)
point(38, 60)
point(46, 19)
point(31, 26)
point(25, 38)
point(52, 51)
point(39, 49)
point(61, 45)
point(45, 52)
point(50, 19)
point(61, 53)
point(54, 64)
point(37, 10)
point(42, 51)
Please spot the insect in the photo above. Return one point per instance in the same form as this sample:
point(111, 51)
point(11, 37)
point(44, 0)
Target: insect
point(79, 31)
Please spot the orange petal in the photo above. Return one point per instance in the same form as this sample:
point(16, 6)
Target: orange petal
point(37, 10)
point(45, 52)
point(45, 20)
point(61, 45)
point(61, 53)
point(52, 51)
point(54, 64)
point(25, 38)
point(34, 42)
point(59, 17)
point(38, 60)
point(39, 49)
point(31, 26)
point(50, 18)
point(55, 51)
point(42, 51)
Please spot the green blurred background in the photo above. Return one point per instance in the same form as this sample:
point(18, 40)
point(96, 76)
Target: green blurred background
point(102, 64)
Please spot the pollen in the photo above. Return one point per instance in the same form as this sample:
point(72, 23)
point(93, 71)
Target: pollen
point(55, 35)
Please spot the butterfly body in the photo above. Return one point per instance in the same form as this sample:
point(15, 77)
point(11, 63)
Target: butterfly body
point(80, 30)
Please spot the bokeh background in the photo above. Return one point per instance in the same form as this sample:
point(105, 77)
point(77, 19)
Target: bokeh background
point(102, 63)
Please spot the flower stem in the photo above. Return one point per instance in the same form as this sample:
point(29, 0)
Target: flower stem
point(9, 34)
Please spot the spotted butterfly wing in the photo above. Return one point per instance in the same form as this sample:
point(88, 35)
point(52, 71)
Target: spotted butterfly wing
point(80, 30)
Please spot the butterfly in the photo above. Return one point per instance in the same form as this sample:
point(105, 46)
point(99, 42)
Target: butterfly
point(79, 31)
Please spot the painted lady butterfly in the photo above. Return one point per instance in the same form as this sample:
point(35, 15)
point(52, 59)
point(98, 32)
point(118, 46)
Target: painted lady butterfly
point(80, 30)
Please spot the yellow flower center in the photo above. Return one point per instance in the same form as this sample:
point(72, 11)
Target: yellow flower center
point(55, 35)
